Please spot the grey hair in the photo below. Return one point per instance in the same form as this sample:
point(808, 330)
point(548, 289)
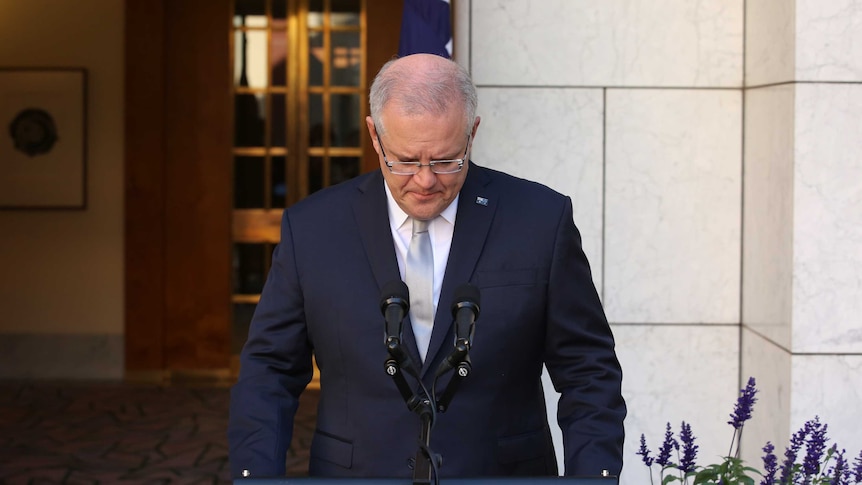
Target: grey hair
point(432, 91)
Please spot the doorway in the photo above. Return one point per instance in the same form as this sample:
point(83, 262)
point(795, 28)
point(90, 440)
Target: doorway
point(234, 111)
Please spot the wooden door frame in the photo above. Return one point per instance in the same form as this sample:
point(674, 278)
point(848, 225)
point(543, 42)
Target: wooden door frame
point(383, 30)
point(177, 187)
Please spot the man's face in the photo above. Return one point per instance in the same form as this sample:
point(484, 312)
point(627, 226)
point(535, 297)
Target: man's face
point(422, 138)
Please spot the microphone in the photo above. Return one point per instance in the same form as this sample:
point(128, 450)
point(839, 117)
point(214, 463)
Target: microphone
point(394, 303)
point(465, 311)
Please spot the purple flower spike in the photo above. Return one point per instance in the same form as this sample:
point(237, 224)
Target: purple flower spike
point(644, 452)
point(770, 464)
point(745, 402)
point(857, 468)
point(689, 449)
point(667, 447)
point(840, 474)
point(815, 447)
point(790, 453)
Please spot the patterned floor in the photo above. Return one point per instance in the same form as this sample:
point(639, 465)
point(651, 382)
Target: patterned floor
point(104, 433)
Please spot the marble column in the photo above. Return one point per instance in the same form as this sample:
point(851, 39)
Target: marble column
point(802, 250)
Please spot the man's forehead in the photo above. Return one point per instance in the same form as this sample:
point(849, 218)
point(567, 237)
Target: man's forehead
point(399, 115)
point(398, 107)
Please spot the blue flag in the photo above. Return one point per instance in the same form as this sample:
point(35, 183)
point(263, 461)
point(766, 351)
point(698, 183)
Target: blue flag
point(426, 27)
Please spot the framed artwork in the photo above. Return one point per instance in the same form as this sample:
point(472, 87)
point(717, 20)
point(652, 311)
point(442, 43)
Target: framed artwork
point(43, 138)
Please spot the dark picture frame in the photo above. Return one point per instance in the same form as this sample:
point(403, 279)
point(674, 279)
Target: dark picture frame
point(43, 138)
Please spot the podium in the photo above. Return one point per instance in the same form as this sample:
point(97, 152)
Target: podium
point(443, 481)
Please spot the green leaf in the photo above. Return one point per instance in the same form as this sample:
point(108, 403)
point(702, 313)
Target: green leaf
point(669, 479)
point(706, 476)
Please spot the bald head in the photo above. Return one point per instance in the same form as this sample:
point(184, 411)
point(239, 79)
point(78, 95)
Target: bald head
point(423, 84)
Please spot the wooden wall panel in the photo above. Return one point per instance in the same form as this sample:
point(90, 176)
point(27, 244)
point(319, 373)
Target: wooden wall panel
point(198, 184)
point(178, 186)
point(384, 29)
point(144, 191)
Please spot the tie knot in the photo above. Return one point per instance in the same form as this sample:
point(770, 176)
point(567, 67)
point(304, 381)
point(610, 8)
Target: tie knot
point(419, 226)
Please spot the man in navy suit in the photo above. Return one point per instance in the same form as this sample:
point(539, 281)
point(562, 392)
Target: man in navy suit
point(513, 239)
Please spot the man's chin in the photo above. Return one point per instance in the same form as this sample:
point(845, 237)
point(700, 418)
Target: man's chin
point(424, 210)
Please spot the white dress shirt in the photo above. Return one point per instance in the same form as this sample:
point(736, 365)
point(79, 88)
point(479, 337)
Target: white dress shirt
point(440, 230)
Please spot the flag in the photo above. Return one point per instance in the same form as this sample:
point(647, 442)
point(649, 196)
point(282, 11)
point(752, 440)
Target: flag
point(426, 27)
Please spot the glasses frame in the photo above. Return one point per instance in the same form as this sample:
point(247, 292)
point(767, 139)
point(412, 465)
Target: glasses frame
point(418, 165)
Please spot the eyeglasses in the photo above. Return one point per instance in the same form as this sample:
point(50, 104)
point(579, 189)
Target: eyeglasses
point(437, 166)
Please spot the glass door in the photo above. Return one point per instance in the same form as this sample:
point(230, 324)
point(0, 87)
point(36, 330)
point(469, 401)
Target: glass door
point(299, 94)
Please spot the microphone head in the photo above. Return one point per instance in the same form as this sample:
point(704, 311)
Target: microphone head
point(466, 295)
point(395, 292)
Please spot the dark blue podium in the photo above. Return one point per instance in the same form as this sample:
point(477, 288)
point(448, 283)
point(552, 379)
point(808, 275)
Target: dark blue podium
point(443, 481)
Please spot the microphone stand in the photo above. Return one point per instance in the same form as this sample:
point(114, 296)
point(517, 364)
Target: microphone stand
point(394, 365)
point(459, 359)
point(422, 402)
point(421, 405)
point(422, 470)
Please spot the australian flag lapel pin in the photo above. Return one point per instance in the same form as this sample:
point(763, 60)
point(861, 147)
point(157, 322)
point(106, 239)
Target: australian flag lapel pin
point(482, 201)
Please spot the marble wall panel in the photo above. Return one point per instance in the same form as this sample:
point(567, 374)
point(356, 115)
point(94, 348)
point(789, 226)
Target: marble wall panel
point(770, 42)
point(770, 365)
point(829, 386)
point(767, 266)
point(673, 206)
point(828, 40)
point(552, 136)
point(827, 239)
point(796, 388)
point(607, 43)
point(461, 31)
point(674, 373)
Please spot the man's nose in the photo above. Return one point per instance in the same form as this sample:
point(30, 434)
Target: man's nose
point(425, 177)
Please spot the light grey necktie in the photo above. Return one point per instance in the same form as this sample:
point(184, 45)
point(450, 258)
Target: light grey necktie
point(419, 273)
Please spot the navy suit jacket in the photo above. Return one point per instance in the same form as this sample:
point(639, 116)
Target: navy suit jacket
point(516, 241)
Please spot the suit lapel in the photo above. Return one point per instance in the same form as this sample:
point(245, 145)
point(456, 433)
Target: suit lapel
point(372, 219)
point(477, 204)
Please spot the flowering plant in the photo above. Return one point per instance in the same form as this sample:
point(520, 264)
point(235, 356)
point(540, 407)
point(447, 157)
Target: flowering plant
point(819, 466)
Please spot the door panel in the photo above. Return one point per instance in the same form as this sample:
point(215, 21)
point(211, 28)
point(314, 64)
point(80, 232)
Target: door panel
point(178, 186)
point(144, 186)
point(198, 185)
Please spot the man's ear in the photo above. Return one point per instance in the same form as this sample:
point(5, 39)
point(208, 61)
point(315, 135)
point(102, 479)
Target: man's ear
point(475, 127)
point(372, 131)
